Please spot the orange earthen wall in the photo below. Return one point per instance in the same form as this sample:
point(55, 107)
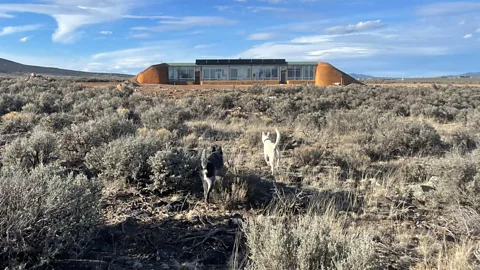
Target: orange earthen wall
point(327, 74)
point(157, 74)
point(238, 82)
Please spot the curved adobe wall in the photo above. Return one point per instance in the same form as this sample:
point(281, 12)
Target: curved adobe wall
point(327, 74)
point(156, 74)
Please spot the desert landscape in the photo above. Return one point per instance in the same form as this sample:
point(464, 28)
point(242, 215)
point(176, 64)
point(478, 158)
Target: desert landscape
point(105, 174)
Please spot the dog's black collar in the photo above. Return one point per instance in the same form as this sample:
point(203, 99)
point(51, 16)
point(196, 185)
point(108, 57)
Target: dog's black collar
point(267, 139)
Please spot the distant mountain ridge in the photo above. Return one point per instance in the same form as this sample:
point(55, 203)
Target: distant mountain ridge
point(10, 67)
point(361, 76)
point(471, 74)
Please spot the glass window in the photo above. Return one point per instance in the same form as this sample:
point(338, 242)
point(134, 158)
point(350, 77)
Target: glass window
point(298, 73)
point(291, 74)
point(275, 74)
point(233, 74)
point(175, 73)
point(268, 73)
point(206, 74)
point(191, 73)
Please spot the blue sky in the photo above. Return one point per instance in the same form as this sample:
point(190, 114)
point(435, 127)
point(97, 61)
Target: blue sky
point(409, 38)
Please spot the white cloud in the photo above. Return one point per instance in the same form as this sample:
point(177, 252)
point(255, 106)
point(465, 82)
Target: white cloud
point(359, 27)
point(24, 39)
point(222, 8)
point(256, 9)
point(183, 23)
point(261, 36)
point(6, 16)
point(241, 1)
point(137, 59)
point(313, 39)
point(9, 30)
point(203, 46)
point(151, 17)
point(105, 32)
point(353, 45)
point(467, 36)
point(141, 35)
point(439, 9)
point(72, 15)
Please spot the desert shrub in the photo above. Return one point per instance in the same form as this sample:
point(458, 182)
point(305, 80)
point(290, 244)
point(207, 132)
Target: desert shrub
point(47, 102)
point(225, 101)
point(43, 214)
point(10, 102)
point(404, 138)
point(124, 159)
point(462, 141)
point(353, 160)
point(14, 122)
point(308, 155)
point(77, 140)
point(38, 149)
point(165, 116)
point(175, 169)
point(31, 108)
point(56, 122)
point(307, 242)
point(209, 132)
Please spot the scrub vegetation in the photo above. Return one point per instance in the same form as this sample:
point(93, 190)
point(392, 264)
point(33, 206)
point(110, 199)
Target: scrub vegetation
point(371, 177)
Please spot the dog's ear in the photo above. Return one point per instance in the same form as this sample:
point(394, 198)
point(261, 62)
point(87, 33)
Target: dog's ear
point(219, 149)
point(213, 149)
point(203, 158)
point(268, 134)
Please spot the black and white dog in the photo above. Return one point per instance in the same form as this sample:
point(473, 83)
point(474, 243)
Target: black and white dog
point(212, 166)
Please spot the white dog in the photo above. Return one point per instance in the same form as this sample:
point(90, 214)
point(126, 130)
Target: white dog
point(271, 150)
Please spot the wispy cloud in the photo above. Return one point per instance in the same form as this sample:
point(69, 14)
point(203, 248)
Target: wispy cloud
point(24, 39)
point(468, 36)
point(448, 8)
point(6, 16)
point(184, 23)
point(262, 36)
point(140, 35)
point(9, 30)
point(222, 8)
point(137, 59)
point(256, 9)
point(477, 31)
point(359, 27)
point(150, 17)
point(204, 46)
point(105, 32)
point(74, 14)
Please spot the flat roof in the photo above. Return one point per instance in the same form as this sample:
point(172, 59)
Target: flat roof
point(207, 62)
point(240, 61)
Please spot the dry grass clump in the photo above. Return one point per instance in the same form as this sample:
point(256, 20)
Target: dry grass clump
point(308, 241)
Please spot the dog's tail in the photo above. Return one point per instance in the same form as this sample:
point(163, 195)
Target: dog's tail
point(277, 141)
point(204, 159)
